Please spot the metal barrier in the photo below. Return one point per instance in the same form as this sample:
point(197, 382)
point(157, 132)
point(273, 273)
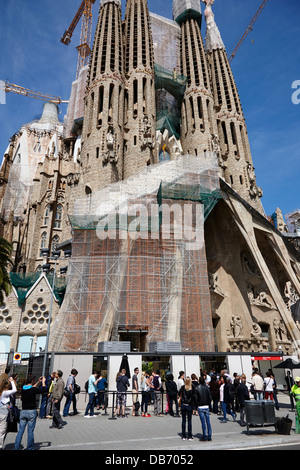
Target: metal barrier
point(115, 393)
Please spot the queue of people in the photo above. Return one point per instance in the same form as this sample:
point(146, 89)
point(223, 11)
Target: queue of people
point(212, 392)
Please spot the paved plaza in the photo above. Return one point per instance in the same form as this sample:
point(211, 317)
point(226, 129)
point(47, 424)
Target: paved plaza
point(153, 434)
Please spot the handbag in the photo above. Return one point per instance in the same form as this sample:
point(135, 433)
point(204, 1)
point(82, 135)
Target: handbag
point(67, 392)
point(13, 418)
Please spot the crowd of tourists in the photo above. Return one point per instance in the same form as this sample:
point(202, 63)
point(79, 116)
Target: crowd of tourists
point(212, 392)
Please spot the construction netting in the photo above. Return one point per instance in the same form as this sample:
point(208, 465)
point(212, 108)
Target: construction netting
point(170, 85)
point(186, 9)
point(145, 269)
point(170, 88)
point(24, 282)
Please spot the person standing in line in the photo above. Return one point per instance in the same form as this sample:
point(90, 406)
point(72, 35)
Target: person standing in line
point(135, 391)
point(195, 382)
point(28, 414)
point(187, 396)
point(157, 393)
point(57, 396)
point(49, 396)
point(225, 398)
point(275, 391)
point(258, 385)
point(122, 386)
point(70, 386)
point(180, 381)
point(43, 407)
point(92, 391)
point(203, 400)
point(145, 387)
point(7, 390)
point(269, 386)
point(101, 386)
point(172, 393)
point(242, 393)
point(214, 387)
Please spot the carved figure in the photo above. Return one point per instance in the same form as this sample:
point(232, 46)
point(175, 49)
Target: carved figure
point(280, 330)
point(214, 284)
point(256, 330)
point(236, 327)
point(110, 155)
point(147, 134)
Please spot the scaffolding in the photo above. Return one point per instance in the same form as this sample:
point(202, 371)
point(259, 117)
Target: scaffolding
point(138, 260)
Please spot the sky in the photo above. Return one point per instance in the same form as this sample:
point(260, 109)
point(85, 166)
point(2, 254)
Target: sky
point(265, 69)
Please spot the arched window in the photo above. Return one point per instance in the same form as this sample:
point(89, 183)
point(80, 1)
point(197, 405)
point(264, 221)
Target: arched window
point(46, 215)
point(55, 242)
point(58, 217)
point(44, 240)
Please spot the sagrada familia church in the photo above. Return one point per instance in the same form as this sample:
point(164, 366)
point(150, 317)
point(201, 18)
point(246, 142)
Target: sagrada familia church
point(150, 185)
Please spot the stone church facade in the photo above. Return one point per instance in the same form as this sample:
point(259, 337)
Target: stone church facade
point(154, 67)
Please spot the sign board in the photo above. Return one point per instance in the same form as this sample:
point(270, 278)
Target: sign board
point(17, 358)
point(266, 358)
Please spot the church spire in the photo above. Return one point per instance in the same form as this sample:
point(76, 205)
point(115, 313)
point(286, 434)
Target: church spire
point(234, 152)
point(213, 37)
point(198, 119)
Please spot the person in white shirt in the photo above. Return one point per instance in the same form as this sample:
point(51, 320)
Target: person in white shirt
point(7, 389)
point(258, 384)
point(269, 386)
point(180, 381)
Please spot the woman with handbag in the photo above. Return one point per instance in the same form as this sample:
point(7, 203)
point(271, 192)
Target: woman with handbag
point(7, 389)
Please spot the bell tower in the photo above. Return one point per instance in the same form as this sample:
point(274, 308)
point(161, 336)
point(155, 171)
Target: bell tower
point(233, 147)
point(198, 119)
point(139, 102)
point(102, 137)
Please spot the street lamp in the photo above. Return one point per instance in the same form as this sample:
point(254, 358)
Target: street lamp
point(46, 267)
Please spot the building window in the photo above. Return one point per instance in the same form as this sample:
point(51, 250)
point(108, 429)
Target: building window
point(46, 216)
point(58, 217)
point(55, 242)
point(43, 241)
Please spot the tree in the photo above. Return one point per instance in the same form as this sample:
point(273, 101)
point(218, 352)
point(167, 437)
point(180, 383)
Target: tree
point(5, 260)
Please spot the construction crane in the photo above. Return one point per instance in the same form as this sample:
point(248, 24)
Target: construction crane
point(249, 29)
point(19, 90)
point(84, 51)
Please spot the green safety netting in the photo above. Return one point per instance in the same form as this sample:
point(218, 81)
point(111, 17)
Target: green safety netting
point(172, 88)
point(192, 192)
point(189, 13)
point(24, 282)
point(151, 220)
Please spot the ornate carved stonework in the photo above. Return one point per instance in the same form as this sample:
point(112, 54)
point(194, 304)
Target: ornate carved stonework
point(110, 155)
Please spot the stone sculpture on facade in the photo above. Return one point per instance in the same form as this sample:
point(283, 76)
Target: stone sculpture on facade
point(110, 155)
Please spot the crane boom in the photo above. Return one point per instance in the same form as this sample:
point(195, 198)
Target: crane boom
point(84, 51)
point(249, 29)
point(67, 36)
point(19, 90)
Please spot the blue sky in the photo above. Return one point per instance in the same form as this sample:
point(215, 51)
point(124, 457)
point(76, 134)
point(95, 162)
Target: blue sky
point(265, 67)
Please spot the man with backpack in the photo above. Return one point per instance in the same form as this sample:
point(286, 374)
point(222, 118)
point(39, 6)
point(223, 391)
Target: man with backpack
point(122, 385)
point(91, 389)
point(156, 383)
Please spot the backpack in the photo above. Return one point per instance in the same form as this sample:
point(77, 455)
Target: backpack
point(156, 383)
point(86, 386)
